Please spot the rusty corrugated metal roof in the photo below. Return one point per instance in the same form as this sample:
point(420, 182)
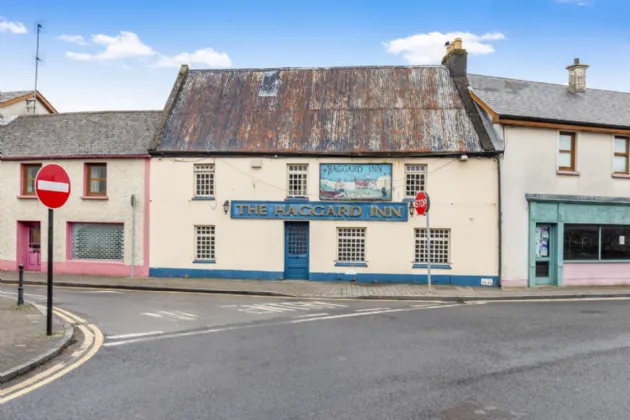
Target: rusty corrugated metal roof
point(358, 110)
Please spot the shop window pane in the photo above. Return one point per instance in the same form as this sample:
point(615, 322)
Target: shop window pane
point(581, 242)
point(615, 243)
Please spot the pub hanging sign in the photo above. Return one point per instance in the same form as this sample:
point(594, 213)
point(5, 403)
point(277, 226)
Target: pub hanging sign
point(318, 210)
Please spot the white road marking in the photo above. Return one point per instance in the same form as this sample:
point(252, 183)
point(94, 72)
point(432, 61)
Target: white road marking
point(53, 186)
point(25, 294)
point(310, 315)
point(151, 314)
point(268, 324)
point(370, 313)
point(267, 308)
point(370, 309)
point(104, 291)
point(421, 306)
point(229, 306)
point(116, 337)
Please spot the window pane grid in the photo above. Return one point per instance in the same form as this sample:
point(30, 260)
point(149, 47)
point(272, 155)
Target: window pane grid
point(351, 244)
point(204, 180)
point(415, 177)
point(98, 241)
point(204, 243)
point(297, 180)
point(440, 246)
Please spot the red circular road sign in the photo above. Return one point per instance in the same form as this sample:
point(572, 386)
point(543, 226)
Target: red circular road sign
point(52, 186)
point(422, 203)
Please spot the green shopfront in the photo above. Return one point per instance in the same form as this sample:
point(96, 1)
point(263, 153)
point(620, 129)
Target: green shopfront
point(578, 240)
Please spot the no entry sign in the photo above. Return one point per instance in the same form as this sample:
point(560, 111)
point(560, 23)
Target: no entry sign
point(422, 203)
point(52, 186)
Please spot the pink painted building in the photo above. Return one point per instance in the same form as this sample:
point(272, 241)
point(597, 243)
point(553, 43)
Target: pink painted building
point(103, 228)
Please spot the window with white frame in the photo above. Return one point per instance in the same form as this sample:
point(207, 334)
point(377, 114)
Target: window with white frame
point(351, 244)
point(204, 180)
point(98, 241)
point(204, 243)
point(297, 180)
point(415, 179)
point(440, 246)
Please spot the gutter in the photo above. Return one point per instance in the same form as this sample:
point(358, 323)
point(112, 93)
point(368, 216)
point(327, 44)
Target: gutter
point(500, 215)
point(354, 155)
point(503, 117)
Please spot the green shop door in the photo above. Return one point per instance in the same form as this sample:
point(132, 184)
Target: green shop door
point(545, 270)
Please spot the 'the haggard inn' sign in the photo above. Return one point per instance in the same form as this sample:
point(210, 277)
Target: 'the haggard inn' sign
point(386, 212)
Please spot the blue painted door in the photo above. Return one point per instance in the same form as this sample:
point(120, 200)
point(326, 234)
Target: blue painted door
point(296, 250)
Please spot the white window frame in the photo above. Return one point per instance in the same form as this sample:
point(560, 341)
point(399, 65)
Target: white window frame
point(300, 172)
point(409, 171)
point(359, 238)
point(437, 238)
point(204, 170)
point(201, 254)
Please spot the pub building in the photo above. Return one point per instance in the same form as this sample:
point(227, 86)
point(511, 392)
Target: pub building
point(308, 173)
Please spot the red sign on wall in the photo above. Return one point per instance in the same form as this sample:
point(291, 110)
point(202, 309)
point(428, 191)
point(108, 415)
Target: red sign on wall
point(422, 203)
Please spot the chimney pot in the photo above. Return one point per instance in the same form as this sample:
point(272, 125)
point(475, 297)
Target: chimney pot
point(456, 58)
point(577, 76)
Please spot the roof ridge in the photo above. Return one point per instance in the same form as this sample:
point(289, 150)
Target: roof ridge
point(392, 66)
point(547, 83)
point(61, 114)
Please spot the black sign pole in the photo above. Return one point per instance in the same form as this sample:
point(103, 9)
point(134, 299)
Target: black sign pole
point(50, 273)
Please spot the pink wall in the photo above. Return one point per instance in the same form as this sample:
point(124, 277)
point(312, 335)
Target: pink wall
point(93, 268)
point(596, 274)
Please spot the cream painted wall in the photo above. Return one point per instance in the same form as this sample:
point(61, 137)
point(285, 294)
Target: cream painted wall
point(19, 108)
point(529, 167)
point(125, 177)
point(463, 197)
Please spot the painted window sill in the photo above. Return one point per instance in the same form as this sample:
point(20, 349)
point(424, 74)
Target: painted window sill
point(203, 198)
point(568, 173)
point(296, 199)
point(351, 264)
point(204, 261)
point(596, 262)
point(435, 266)
point(94, 197)
point(113, 262)
point(621, 176)
point(27, 197)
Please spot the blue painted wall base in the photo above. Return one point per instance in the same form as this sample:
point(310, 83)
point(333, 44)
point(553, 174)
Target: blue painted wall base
point(438, 279)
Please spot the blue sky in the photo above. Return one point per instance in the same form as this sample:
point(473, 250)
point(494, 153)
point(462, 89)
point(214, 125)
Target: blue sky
point(125, 54)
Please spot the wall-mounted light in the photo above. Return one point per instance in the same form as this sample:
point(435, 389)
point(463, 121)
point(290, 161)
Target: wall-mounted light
point(412, 208)
point(226, 206)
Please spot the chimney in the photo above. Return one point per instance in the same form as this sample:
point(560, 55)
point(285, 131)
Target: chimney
point(456, 58)
point(577, 76)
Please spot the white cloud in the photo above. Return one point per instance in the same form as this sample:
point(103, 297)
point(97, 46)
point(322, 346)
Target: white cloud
point(429, 48)
point(13, 27)
point(73, 39)
point(576, 2)
point(204, 56)
point(124, 45)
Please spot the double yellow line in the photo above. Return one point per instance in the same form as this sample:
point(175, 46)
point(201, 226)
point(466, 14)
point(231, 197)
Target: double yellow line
point(92, 341)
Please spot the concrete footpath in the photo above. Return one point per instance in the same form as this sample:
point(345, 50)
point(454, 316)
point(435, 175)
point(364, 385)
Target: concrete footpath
point(24, 344)
point(307, 289)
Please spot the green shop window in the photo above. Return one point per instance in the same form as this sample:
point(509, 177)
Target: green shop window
point(596, 242)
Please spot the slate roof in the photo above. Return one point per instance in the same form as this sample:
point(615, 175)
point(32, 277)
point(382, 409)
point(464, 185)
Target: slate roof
point(79, 134)
point(312, 111)
point(7, 96)
point(519, 99)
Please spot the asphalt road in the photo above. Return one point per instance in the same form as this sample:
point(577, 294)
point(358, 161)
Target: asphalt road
point(362, 360)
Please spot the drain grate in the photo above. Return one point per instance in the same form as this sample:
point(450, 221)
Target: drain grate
point(473, 410)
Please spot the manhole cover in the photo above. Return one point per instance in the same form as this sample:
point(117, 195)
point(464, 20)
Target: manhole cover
point(473, 410)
